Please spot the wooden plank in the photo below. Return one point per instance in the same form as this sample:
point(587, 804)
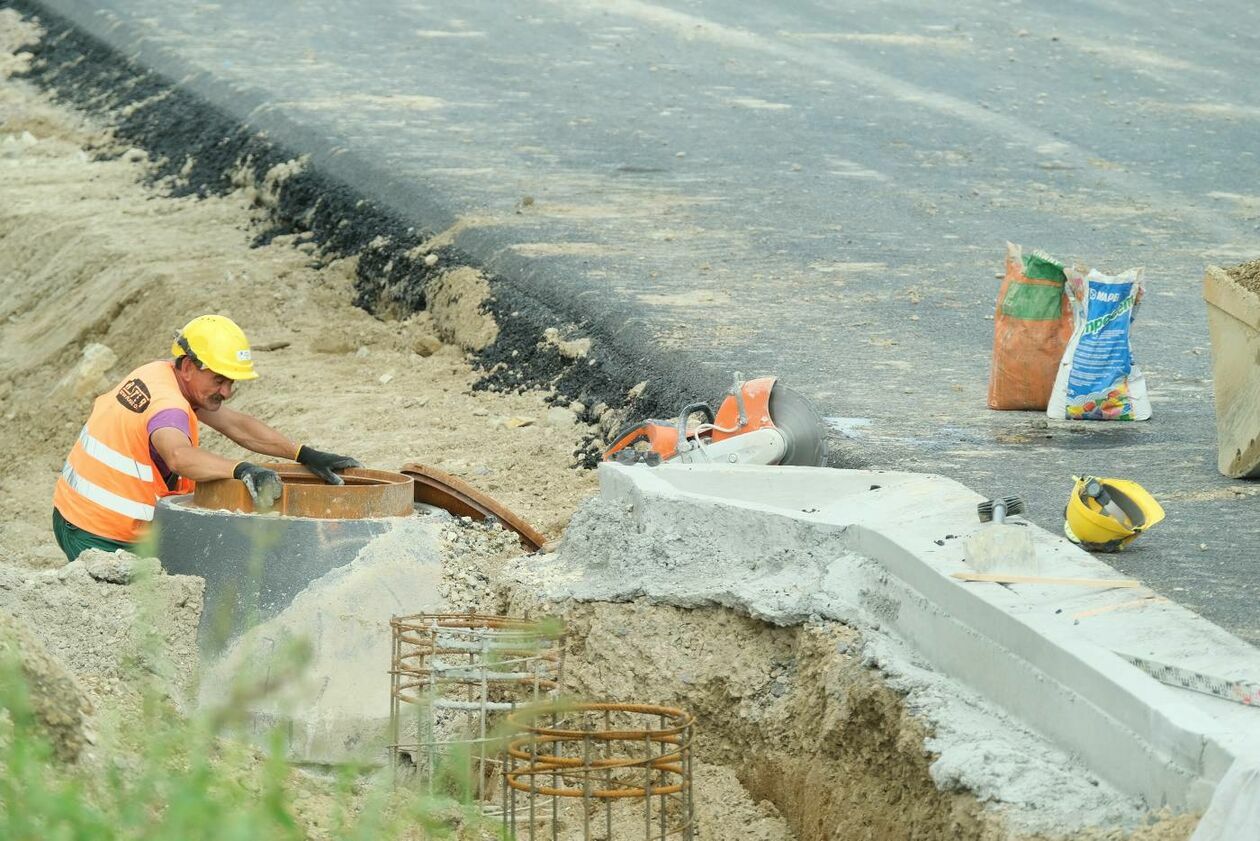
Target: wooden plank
point(1099, 611)
point(1002, 578)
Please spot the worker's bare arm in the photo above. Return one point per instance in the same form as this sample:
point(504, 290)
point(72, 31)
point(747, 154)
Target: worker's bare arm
point(189, 461)
point(248, 432)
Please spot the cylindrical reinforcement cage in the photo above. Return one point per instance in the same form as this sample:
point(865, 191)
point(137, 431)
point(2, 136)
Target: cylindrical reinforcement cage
point(599, 772)
point(453, 677)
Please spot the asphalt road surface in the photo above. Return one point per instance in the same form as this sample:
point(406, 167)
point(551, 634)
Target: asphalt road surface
point(817, 190)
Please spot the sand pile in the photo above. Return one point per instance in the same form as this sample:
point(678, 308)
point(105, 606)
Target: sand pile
point(1247, 275)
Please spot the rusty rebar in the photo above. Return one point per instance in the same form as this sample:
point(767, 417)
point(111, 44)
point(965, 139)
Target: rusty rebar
point(599, 755)
point(462, 672)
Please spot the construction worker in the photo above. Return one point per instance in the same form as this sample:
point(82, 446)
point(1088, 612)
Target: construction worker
point(140, 443)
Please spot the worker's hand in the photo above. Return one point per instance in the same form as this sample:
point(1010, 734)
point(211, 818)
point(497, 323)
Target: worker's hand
point(323, 464)
point(263, 485)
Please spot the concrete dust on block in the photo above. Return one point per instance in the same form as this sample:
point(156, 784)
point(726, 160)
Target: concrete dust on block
point(1232, 815)
point(335, 707)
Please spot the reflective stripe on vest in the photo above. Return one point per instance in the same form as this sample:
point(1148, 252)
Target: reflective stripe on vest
point(112, 458)
point(112, 486)
point(106, 499)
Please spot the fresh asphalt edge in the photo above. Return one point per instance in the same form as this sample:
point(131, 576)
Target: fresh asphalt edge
point(204, 135)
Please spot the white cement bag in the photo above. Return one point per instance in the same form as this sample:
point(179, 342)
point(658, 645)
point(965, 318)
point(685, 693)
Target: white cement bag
point(1234, 813)
point(1098, 379)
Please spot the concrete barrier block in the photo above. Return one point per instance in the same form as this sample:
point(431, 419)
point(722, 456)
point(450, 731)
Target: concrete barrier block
point(1234, 327)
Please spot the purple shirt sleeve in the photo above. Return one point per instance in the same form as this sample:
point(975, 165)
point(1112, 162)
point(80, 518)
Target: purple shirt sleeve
point(167, 418)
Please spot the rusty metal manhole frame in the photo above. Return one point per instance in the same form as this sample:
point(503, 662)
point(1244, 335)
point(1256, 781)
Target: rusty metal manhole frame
point(366, 494)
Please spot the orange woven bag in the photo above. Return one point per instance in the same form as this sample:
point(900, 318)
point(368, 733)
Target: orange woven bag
point(1031, 329)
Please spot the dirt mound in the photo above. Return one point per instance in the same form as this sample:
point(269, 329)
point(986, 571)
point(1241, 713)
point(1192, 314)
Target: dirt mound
point(58, 706)
point(109, 617)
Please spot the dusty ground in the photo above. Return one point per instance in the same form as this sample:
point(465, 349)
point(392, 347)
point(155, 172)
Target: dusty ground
point(91, 259)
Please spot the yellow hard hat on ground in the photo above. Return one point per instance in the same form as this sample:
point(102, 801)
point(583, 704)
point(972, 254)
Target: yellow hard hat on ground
point(1106, 515)
point(215, 342)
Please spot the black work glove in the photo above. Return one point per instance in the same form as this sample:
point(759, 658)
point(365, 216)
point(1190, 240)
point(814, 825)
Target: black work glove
point(323, 464)
point(263, 485)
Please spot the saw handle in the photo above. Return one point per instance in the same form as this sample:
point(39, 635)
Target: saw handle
point(691, 408)
point(661, 440)
point(627, 437)
point(664, 440)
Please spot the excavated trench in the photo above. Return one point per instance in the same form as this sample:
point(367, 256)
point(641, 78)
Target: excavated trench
point(793, 711)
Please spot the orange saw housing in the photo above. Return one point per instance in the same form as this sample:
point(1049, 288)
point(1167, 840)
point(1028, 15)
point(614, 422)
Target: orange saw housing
point(741, 411)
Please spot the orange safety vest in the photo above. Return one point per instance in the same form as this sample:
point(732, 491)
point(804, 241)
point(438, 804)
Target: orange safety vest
point(110, 485)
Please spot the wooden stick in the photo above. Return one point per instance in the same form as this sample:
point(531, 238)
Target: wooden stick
point(1098, 611)
point(272, 345)
point(1003, 578)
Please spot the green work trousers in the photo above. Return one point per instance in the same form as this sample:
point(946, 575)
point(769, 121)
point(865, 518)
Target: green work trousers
point(74, 540)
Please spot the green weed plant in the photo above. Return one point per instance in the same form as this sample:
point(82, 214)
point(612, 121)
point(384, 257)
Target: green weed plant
point(157, 774)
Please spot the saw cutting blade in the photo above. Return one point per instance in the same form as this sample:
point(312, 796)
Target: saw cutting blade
point(801, 425)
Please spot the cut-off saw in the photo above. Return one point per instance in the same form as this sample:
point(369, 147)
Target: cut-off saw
point(759, 421)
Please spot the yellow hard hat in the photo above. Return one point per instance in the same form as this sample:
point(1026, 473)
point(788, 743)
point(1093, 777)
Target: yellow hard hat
point(215, 342)
point(1106, 515)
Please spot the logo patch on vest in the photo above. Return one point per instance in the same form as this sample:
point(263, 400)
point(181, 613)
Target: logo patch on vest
point(134, 395)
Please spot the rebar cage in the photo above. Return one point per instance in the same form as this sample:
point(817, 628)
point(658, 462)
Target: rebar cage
point(459, 674)
point(624, 769)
